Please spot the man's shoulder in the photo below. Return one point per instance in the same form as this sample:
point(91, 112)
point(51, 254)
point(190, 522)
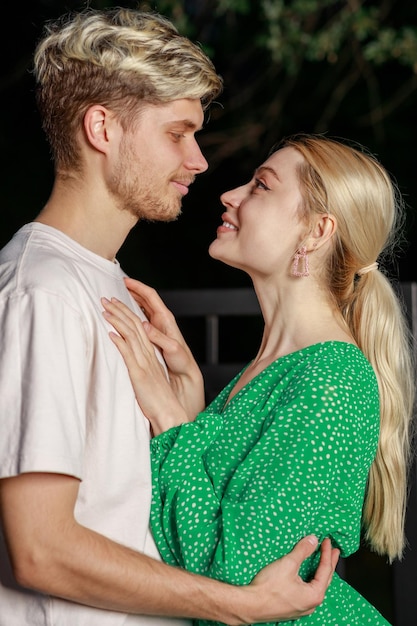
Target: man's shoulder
point(40, 257)
point(33, 260)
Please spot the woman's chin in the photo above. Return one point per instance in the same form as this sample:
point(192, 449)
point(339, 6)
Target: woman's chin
point(213, 250)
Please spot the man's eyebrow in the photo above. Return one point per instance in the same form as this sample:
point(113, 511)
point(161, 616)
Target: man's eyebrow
point(186, 124)
point(266, 168)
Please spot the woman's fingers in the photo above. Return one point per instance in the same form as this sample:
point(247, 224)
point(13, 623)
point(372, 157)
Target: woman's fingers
point(123, 319)
point(154, 307)
point(120, 310)
point(147, 297)
point(127, 324)
point(182, 395)
point(131, 340)
point(159, 339)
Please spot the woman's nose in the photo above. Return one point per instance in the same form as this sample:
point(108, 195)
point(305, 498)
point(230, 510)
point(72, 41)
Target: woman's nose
point(232, 198)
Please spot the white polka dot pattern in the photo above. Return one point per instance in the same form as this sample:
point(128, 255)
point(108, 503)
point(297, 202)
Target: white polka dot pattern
point(289, 455)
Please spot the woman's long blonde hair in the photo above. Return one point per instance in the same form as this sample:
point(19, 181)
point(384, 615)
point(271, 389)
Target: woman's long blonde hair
point(353, 186)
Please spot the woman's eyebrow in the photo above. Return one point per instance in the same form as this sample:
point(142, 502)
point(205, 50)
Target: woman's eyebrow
point(266, 168)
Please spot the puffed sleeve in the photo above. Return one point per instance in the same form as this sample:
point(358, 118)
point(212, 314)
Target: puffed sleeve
point(181, 449)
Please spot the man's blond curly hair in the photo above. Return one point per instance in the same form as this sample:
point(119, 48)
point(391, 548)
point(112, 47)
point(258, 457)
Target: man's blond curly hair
point(119, 58)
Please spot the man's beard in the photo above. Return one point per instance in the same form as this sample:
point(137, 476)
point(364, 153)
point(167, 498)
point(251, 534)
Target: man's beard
point(145, 206)
point(137, 195)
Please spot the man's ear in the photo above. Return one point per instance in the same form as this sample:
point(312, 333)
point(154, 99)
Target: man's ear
point(324, 229)
point(98, 125)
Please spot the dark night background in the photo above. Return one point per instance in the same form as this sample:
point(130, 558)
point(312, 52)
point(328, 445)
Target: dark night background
point(263, 101)
point(356, 77)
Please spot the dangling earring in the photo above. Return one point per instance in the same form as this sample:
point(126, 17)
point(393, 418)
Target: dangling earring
point(300, 263)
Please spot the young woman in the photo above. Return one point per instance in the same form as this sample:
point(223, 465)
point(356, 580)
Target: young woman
point(312, 437)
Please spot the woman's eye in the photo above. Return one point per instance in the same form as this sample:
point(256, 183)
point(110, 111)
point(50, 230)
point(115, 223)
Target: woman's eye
point(260, 185)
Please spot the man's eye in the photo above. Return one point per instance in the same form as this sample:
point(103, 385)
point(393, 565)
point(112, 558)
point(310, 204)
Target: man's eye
point(177, 136)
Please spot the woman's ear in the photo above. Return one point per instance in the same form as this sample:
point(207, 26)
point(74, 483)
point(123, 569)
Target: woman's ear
point(324, 229)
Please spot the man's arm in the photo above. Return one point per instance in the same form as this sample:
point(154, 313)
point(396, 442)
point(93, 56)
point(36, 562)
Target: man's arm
point(52, 553)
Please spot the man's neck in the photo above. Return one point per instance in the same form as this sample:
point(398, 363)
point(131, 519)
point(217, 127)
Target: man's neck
point(92, 221)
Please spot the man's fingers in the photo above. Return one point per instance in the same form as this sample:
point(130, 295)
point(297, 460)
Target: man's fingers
point(335, 560)
point(328, 560)
point(303, 549)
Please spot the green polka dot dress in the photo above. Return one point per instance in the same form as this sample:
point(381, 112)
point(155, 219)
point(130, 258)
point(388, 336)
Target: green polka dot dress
point(288, 456)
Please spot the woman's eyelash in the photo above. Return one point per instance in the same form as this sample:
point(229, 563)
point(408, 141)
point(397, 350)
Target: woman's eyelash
point(259, 183)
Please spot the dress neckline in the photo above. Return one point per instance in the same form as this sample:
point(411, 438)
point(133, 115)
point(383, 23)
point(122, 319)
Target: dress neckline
point(314, 347)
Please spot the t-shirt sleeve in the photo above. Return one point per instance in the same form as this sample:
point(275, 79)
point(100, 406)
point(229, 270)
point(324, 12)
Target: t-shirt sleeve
point(305, 471)
point(43, 385)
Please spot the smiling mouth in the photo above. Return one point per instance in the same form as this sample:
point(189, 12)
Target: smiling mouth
point(229, 226)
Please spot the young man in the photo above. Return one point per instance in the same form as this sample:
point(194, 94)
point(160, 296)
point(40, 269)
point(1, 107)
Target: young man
point(121, 95)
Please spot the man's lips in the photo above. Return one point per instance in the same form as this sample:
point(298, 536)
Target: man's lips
point(182, 184)
point(182, 187)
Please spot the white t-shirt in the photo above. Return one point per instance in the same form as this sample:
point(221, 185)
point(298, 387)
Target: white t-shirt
point(67, 406)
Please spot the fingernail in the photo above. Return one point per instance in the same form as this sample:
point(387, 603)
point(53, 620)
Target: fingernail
point(104, 300)
point(312, 539)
